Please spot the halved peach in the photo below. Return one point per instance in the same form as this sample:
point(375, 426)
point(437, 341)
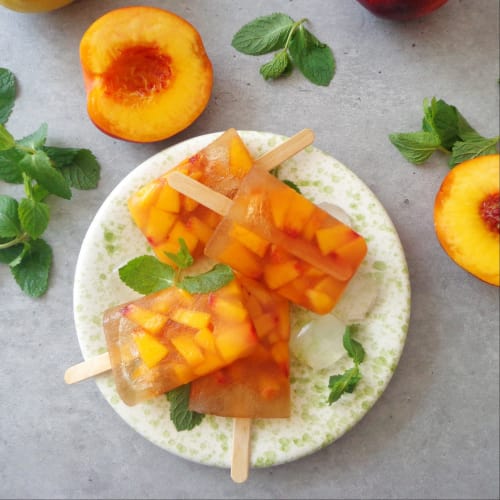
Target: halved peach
point(146, 73)
point(467, 216)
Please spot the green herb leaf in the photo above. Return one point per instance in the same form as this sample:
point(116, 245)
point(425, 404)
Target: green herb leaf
point(36, 139)
point(7, 94)
point(340, 384)
point(219, 276)
point(32, 272)
point(472, 148)
point(6, 139)
point(146, 274)
point(38, 166)
point(292, 185)
point(11, 254)
point(10, 171)
point(277, 67)
point(182, 417)
point(416, 147)
point(182, 259)
point(353, 347)
point(9, 219)
point(78, 166)
point(314, 59)
point(34, 216)
point(264, 34)
point(442, 119)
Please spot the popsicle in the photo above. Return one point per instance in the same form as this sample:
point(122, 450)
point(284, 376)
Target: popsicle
point(258, 385)
point(274, 235)
point(171, 337)
point(163, 215)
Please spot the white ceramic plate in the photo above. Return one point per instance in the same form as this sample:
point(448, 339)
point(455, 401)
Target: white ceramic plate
point(112, 240)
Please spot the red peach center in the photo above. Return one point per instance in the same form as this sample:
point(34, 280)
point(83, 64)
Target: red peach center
point(490, 212)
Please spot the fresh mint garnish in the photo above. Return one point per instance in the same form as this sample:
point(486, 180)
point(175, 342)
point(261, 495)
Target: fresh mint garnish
point(182, 417)
point(346, 382)
point(182, 258)
point(295, 44)
point(43, 170)
point(219, 276)
point(445, 129)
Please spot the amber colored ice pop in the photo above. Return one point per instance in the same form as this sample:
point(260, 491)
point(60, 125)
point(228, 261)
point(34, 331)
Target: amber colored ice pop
point(272, 234)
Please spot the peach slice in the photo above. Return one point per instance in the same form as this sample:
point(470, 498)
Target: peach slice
point(146, 73)
point(467, 216)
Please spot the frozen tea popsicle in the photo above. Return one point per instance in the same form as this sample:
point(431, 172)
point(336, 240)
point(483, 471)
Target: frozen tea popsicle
point(171, 337)
point(258, 385)
point(163, 215)
point(274, 235)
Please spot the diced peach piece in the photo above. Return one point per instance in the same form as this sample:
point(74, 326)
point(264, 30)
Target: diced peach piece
point(167, 300)
point(206, 340)
point(265, 323)
point(331, 287)
point(169, 199)
point(181, 231)
point(188, 317)
point(211, 363)
point(229, 310)
point(202, 230)
point(188, 349)
point(239, 257)
point(331, 238)
point(279, 204)
point(315, 222)
point(321, 303)
point(189, 204)
point(249, 239)
point(208, 216)
point(140, 202)
point(240, 160)
point(277, 275)
point(279, 352)
point(236, 343)
point(151, 321)
point(298, 214)
point(158, 225)
point(353, 252)
point(151, 350)
point(183, 372)
point(269, 387)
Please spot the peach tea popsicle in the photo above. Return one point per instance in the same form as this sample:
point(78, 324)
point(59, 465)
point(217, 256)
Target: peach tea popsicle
point(171, 337)
point(163, 215)
point(257, 386)
point(275, 235)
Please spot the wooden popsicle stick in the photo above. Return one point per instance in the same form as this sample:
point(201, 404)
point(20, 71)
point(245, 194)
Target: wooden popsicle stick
point(285, 150)
point(240, 460)
point(87, 369)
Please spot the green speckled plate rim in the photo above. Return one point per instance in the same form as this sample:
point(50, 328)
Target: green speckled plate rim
point(112, 240)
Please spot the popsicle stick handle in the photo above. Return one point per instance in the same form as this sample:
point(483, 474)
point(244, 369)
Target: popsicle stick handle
point(285, 150)
point(197, 191)
point(87, 369)
point(240, 460)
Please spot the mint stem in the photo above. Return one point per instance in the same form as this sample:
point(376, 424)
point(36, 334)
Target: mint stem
point(293, 29)
point(18, 239)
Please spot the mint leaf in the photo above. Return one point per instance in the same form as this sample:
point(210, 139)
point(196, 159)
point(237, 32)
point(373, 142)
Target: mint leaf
point(9, 219)
point(32, 272)
point(263, 35)
point(292, 185)
point(10, 254)
point(146, 274)
point(219, 276)
point(416, 147)
point(6, 139)
point(472, 148)
point(182, 259)
point(182, 417)
point(314, 59)
point(36, 139)
point(38, 166)
point(61, 157)
point(277, 67)
point(10, 171)
point(443, 119)
point(34, 216)
point(7, 94)
point(354, 348)
point(340, 384)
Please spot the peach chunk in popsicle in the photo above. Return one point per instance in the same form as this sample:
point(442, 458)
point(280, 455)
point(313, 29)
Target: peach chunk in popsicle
point(257, 386)
point(163, 215)
point(171, 337)
point(274, 235)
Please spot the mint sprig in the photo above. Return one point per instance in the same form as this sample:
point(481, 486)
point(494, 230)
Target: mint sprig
point(296, 46)
point(43, 171)
point(146, 274)
point(182, 417)
point(346, 382)
point(444, 129)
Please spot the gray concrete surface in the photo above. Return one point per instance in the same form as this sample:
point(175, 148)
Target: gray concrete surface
point(434, 432)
